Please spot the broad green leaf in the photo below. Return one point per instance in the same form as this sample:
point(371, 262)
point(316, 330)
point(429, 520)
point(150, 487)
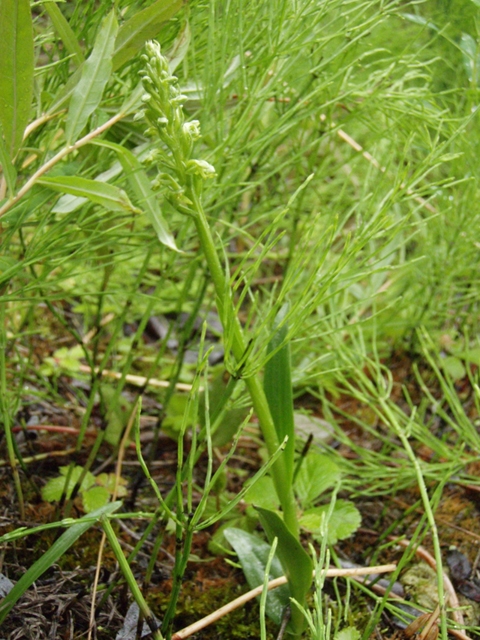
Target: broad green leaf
point(64, 30)
point(472, 355)
point(107, 195)
point(143, 26)
point(109, 481)
point(263, 494)
point(454, 367)
point(253, 554)
point(140, 184)
point(278, 389)
point(349, 633)
point(16, 71)
point(56, 551)
point(95, 498)
point(344, 520)
point(95, 74)
point(54, 488)
point(296, 562)
point(317, 473)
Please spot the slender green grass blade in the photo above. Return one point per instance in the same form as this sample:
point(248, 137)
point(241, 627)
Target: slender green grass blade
point(65, 31)
point(55, 552)
point(143, 26)
point(107, 195)
point(16, 70)
point(140, 184)
point(295, 561)
point(130, 578)
point(96, 73)
point(278, 389)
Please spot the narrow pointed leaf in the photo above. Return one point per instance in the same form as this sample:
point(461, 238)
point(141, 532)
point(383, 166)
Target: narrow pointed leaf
point(143, 26)
point(131, 37)
point(65, 31)
point(278, 389)
point(16, 70)
point(96, 73)
point(107, 195)
point(56, 551)
point(145, 197)
point(296, 562)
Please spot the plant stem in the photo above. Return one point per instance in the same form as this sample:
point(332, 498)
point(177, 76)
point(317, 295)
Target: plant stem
point(5, 413)
point(130, 578)
point(255, 388)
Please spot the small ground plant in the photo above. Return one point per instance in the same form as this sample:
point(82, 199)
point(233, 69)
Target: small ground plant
point(213, 213)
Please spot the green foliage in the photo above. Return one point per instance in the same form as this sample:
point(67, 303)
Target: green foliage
point(95, 491)
point(329, 210)
point(309, 483)
point(344, 520)
point(95, 74)
point(295, 561)
point(56, 551)
point(63, 360)
point(253, 555)
point(16, 71)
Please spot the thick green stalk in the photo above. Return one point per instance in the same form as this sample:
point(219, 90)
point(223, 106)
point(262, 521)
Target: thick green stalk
point(255, 388)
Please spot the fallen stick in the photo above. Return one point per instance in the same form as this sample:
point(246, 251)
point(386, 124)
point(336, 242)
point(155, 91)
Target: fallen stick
point(277, 582)
point(138, 381)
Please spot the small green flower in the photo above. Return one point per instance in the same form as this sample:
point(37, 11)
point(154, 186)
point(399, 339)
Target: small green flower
point(201, 168)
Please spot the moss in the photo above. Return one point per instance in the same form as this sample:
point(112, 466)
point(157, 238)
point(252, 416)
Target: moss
point(196, 602)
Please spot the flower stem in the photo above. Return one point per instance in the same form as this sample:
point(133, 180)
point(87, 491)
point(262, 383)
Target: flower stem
point(255, 388)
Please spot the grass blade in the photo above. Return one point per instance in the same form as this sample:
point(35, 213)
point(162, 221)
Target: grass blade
point(143, 26)
point(95, 75)
point(55, 552)
point(65, 32)
point(140, 185)
point(130, 578)
point(16, 70)
point(107, 195)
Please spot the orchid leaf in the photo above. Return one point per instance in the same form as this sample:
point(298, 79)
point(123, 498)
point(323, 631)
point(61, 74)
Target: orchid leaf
point(96, 73)
point(107, 195)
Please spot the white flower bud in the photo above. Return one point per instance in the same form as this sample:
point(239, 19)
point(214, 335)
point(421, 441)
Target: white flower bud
point(201, 168)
